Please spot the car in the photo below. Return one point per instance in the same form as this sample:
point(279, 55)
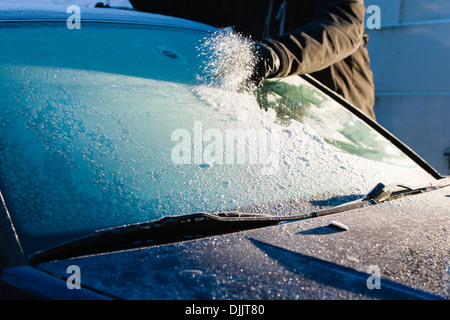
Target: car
point(128, 173)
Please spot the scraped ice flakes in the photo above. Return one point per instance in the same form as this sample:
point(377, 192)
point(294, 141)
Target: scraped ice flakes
point(228, 61)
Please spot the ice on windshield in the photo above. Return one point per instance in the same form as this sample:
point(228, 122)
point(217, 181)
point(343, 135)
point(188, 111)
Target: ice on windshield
point(96, 133)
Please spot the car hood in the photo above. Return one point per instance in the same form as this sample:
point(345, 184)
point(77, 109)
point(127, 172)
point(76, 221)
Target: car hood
point(405, 242)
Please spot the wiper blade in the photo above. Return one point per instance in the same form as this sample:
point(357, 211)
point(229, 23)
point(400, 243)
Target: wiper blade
point(166, 230)
point(172, 229)
point(198, 225)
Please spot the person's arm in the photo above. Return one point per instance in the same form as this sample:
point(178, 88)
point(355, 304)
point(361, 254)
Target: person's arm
point(334, 33)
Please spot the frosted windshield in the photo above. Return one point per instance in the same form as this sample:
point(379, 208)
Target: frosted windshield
point(111, 125)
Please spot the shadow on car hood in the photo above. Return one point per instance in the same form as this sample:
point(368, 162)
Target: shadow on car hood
point(405, 242)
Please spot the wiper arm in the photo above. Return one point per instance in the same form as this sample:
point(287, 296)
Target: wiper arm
point(198, 225)
point(166, 230)
point(382, 193)
point(173, 229)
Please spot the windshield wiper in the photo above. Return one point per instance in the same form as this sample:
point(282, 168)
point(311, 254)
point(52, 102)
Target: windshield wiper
point(173, 229)
point(198, 225)
point(382, 193)
point(166, 230)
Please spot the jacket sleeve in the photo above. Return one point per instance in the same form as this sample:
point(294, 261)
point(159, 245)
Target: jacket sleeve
point(334, 32)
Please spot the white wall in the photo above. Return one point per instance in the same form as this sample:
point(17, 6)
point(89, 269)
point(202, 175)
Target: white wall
point(409, 58)
point(406, 11)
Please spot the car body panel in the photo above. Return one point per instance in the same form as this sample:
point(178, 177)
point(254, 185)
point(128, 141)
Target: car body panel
point(25, 282)
point(407, 239)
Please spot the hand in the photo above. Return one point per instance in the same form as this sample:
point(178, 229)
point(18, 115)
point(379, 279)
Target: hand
point(267, 63)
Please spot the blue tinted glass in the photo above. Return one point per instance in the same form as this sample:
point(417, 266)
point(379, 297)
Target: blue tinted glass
point(111, 125)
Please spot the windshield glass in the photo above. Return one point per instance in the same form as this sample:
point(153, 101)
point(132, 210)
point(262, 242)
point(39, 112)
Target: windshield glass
point(111, 125)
